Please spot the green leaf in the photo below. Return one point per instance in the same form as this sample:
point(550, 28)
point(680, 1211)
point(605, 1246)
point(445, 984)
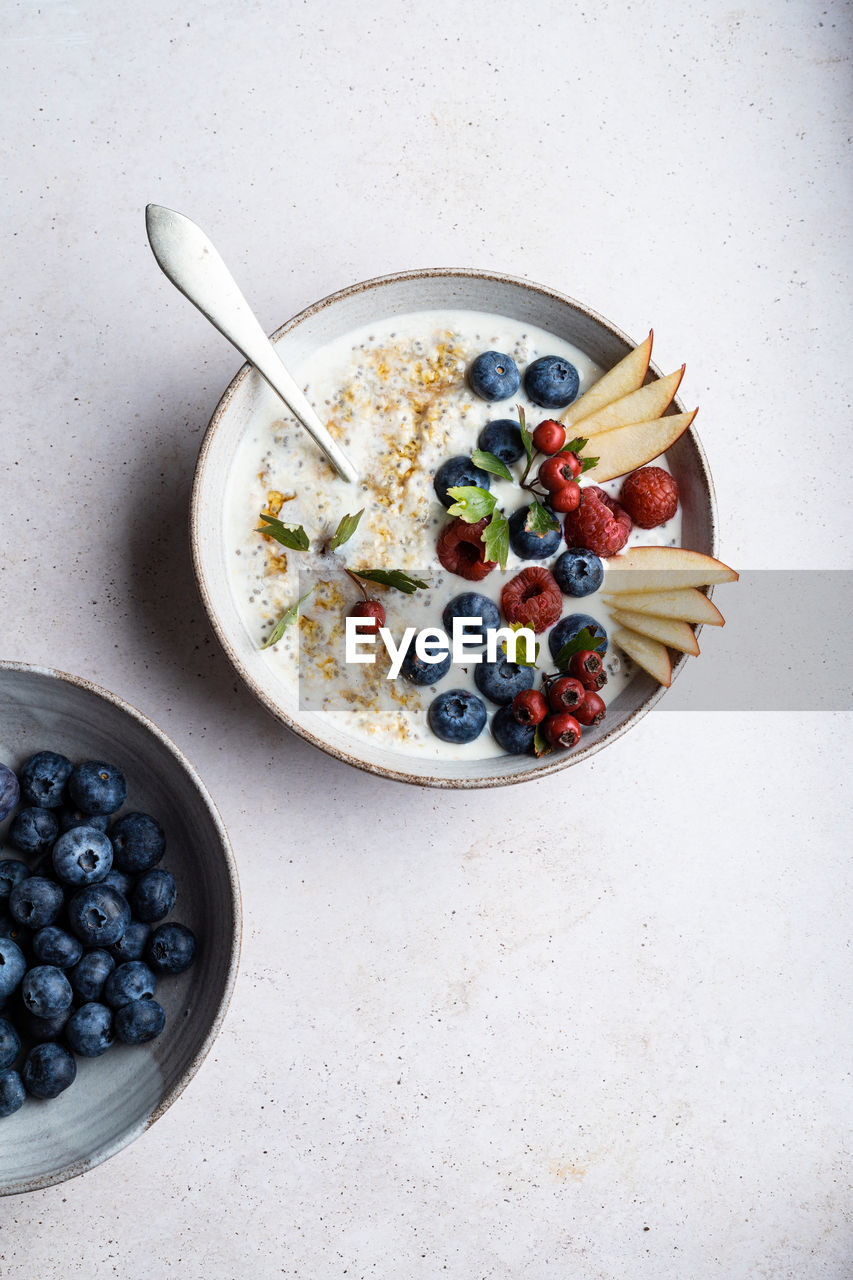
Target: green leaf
point(575, 446)
point(345, 530)
point(541, 745)
point(495, 538)
point(488, 462)
point(286, 620)
point(289, 535)
point(523, 657)
point(539, 520)
point(392, 578)
point(588, 464)
point(472, 502)
point(585, 639)
point(526, 437)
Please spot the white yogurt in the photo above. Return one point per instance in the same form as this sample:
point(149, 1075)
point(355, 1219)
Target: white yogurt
point(394, 394)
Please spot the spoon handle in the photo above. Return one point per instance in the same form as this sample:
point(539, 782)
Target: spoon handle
point(191, 262)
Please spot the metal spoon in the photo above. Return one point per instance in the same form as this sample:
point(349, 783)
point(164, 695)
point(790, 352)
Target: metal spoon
point(191, 262)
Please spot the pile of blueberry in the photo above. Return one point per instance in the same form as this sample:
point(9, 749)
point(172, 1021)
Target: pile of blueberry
point(551, 381)
point(81, 943)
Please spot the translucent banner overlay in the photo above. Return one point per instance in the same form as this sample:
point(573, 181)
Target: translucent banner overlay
point(787, 642)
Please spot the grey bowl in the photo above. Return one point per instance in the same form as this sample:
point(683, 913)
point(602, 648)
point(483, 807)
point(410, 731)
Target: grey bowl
point(331, 318)
point(117, 1097)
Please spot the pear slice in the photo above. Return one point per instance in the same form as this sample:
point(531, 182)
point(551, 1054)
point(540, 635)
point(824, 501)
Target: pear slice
point(686, 604)
point(670, 631)
point(664, 569)
point(624, 377)
point(649, 654)
point(626, 448)
point(639, 406)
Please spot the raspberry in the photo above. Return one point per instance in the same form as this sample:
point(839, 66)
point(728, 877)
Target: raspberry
point(599, 524)
point(532, 598)
point(461, 550)
point(650, 496)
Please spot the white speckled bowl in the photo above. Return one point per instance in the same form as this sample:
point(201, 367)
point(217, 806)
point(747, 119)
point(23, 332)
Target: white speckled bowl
point(332, 318)
point(117, 1097)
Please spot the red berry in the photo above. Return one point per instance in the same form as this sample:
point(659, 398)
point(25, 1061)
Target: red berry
point(565, 694)
point(650, 496)
point(558, 471)
point(461, 550)
point(549, 436)
point(599, 524)
point(566, 499)
point(529, 707)
point(532, 598)
point(369, 609)
point(592, 710)
point(588, 667)
point(562, 730)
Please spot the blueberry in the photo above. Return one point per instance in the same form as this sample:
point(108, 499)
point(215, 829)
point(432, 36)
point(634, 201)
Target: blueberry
point(88, 976)
point(500, 681)
point(97, 787)
point(494, 376)
point(43, 778)
point(567, 628)
point(35, 1027)
point(70, 818)
point(10, 791)
point(119, 880)
point(131, 945)
point(415, 670)
point(515, 738)
point(470, 604)
point(502, 438)
point(153, 895)
point(36, 902)
point(455, 716)
point(53, 945)
point(551, 382)
point(531, 546)
point(10, 1044)
point(98, 914)
point(13, 1095)
point(138, 842)
point(33, 830)
point(82, 855)
point(139, 1022)
point(89, 1030)
point(129, 982)
point(12, 872)
point(171, 948)
point(48, 1071)
point(458, 471)
point(578, 572)
point(45, 990)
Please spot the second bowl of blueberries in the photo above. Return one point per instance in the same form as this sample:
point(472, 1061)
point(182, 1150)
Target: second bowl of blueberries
point(119, 925)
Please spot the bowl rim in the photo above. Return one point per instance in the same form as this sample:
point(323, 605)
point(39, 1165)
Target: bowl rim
point(23, 1185)
point(549, 764)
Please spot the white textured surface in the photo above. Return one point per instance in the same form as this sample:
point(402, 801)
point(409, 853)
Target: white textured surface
point(493, 1035)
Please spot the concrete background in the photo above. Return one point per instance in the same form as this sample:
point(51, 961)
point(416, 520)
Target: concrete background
point(597, 1027)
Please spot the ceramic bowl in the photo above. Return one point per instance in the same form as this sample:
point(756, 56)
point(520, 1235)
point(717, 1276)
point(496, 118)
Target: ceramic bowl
point(117, 1097)
point(333, 317)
